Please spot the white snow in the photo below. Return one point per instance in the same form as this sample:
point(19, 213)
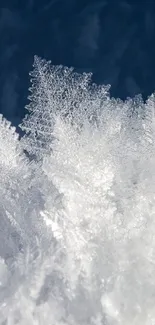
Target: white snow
point(77, 243)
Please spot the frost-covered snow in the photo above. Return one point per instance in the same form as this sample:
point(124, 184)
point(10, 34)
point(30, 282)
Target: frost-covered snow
point(77, 243)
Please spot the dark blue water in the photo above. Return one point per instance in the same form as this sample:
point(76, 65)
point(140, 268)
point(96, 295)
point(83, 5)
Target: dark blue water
point(113, 39)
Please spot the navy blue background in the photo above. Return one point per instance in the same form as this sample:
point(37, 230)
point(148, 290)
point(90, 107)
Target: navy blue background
point(113, 39)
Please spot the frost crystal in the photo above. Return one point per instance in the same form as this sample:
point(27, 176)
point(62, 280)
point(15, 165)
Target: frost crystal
point(77, 244)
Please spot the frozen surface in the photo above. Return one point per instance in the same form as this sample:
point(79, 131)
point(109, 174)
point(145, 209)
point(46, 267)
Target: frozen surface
point(77, 243)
